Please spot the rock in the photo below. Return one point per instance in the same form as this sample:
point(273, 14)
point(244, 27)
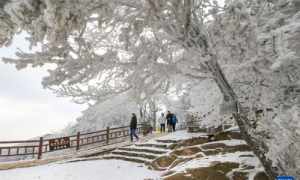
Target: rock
point(167, 173)
point(180, 160)
point(247, 155)
point(192, 142)
point(163, 162)
point(187, 151)
point(215, 172)
point(217, 148)
point(213, 146)
point(239, 175)
point(228, 135)
point(212, 152)
point(261, 176)
point(194, 129)
point(247, 167)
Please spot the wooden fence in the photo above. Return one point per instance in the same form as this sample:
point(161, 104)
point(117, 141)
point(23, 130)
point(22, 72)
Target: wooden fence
point(41, 146)
point(36, 148)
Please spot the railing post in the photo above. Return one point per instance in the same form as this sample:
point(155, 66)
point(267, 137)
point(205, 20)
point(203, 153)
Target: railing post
point(40, 152)
point(107, 135)
point(78, 141)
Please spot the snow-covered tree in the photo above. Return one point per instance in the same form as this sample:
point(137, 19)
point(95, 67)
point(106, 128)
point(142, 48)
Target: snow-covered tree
point(102, 48)
point(113, 112)
point(262, 67)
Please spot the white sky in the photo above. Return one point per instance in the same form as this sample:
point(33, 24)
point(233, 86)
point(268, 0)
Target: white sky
point(26, 109)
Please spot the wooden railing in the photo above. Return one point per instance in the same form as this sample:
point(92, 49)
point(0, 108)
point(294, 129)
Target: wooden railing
point(39, 147)
point(36, 148)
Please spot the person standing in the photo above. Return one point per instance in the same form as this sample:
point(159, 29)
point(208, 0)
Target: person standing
point(133, 127)
point(162, 121)
point(173, 122)
point(169, 119)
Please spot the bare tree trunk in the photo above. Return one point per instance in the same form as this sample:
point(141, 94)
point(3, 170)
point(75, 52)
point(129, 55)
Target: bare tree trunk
point(153, 110)
point(229, 95)
point(142, 109)
point(231, 98)
point(141, 112)
point(154, 120)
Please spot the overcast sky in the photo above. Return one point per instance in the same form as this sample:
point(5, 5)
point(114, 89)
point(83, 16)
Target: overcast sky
point(26, 109)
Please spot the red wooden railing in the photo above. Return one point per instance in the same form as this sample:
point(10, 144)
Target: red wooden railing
point(36, 148)
point(41, 146)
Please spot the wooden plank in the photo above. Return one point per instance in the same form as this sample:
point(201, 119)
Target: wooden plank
point(122, 127)
point(6, 147)
point(95, 132)
point(40, 150)
point(107, 135)
point(78, 141)
point(18, 142)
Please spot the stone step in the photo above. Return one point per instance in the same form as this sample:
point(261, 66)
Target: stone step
point(131, 159)
point(135, 154)
point(167, 141)
point(145, 149)
point(162, 146)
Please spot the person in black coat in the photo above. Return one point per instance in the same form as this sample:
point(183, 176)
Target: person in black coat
point(133, 127)
point(169, 121)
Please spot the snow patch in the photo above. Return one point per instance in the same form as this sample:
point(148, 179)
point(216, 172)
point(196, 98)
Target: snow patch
point(87, 170)
point(233, 142)
point(237, 157)
point(182, 135)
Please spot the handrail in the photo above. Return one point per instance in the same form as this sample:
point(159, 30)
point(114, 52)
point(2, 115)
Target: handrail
point(41, 146)
point(95, 132)
point(23, 147)
point(20, 141)
point(122, 127)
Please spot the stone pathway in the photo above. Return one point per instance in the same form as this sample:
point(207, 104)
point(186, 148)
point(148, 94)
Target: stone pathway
point(142, 152)
point(190, 156)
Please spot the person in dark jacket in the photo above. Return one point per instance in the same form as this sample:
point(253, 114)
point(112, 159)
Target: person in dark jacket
point(169, 120)
point(173, 122)
point(133, 127)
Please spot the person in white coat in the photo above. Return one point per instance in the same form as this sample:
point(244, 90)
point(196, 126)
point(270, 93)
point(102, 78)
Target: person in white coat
point(162, 121)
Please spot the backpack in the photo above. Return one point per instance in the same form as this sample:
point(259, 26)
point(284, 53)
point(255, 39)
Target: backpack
point(174, 119)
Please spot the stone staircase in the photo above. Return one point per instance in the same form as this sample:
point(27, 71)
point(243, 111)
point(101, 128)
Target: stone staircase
point(144, 152)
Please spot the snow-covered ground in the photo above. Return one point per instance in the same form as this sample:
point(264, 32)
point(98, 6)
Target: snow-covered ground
point(182, 135)
point(95, 168)
point(237, 157)
point(232, 142)
point(83, 170)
